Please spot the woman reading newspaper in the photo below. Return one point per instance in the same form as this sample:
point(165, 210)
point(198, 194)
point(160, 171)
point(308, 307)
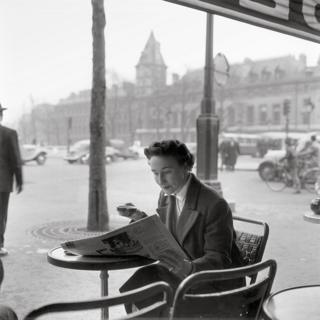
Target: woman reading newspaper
point(198, 218)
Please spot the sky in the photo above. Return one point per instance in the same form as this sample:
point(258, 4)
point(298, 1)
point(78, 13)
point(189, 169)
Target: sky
point(46, 45)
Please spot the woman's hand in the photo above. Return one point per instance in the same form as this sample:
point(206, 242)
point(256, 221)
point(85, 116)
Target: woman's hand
point(130, 211)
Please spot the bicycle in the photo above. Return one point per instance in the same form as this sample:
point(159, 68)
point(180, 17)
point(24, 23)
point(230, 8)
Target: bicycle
point(309, 179)
point(279, 177)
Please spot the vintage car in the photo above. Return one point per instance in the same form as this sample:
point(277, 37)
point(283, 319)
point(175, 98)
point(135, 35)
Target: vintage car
point(111, 154)
point(123, 152)
point(127, 153)
point(33, 152)
point(80, 153)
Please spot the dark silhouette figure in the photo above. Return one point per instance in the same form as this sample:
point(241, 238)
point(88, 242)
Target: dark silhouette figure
point(6, 313)
point(10, 168)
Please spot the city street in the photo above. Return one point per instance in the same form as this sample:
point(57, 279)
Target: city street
point(54, 200)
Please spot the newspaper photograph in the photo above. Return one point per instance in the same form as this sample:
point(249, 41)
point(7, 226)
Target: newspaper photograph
point(147, 237)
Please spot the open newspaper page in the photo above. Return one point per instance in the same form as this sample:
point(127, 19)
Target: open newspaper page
point(147, 237)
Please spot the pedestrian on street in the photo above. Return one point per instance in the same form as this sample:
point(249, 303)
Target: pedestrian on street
point(310, 152)
point(198, 218)
point(233, 153)
point(316, 149)
point(10, 168)
point(224, 153)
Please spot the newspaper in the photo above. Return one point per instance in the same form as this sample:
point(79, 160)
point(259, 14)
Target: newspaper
point(147, 237)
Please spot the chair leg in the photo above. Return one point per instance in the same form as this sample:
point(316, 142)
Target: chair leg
point(104, 276)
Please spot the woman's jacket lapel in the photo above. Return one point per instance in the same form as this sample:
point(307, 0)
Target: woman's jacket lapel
point(189, 214)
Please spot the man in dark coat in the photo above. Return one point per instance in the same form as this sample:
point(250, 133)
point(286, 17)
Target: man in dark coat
point(10, 168)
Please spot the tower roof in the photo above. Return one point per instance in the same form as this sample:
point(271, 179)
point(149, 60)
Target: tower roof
point(151, 53)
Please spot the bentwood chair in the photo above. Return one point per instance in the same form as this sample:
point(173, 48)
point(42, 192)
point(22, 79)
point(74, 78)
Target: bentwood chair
point(252, 236)
point(243, 302)
point(159, 289)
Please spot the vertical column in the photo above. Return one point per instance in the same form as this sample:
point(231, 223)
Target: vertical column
point(208, 122)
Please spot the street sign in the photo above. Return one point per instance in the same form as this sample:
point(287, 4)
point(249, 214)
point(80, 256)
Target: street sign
point(221, 69)
point(300, 18)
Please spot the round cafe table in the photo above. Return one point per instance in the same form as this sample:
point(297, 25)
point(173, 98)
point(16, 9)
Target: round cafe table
point(311, 217)
point(58, 257)
point(293, 304)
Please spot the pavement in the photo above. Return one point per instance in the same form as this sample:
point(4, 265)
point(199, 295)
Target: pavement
point(54, 204)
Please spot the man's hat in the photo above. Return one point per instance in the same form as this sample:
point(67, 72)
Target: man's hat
point(1, 109)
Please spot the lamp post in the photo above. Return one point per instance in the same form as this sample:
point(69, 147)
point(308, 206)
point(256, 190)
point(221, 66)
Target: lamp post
point(221, 76)
point(208, 122)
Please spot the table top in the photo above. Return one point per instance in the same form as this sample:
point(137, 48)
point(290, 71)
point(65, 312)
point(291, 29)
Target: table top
point(311, 217)
point(294, 303)
point(58, 257)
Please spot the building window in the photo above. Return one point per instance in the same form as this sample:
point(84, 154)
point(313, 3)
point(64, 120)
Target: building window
point(305, 117)
point(231, 116)
point(263, 115)
point(279, 73)
point(276, 114)
point(250, 115)
point(265, 74)
point(253, 76)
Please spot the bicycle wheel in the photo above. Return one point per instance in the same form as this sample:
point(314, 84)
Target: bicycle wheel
point(309, 179)
point(277, 181)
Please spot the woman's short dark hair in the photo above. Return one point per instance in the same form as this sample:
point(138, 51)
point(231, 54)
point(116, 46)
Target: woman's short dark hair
point(173, 148)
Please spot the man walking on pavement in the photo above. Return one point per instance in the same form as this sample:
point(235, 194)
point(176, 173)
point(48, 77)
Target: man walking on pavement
point(10, 167)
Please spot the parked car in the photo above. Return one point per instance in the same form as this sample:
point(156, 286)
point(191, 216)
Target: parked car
point(122, 151)
point(80, 153)
point(137, 149)
point(33, 152)
point(127, 153)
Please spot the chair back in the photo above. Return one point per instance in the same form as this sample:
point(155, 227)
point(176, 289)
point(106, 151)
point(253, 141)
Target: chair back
point(160, 288)
point(251, 243)
point(235, 304)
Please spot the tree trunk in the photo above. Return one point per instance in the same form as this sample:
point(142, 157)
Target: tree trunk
point(98, 218)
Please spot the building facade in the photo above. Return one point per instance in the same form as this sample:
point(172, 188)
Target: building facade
point(149, 109)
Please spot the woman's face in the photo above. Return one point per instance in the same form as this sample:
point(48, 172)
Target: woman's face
point(168, 173)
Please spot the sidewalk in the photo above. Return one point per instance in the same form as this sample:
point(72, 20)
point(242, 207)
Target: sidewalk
point(247, 163)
